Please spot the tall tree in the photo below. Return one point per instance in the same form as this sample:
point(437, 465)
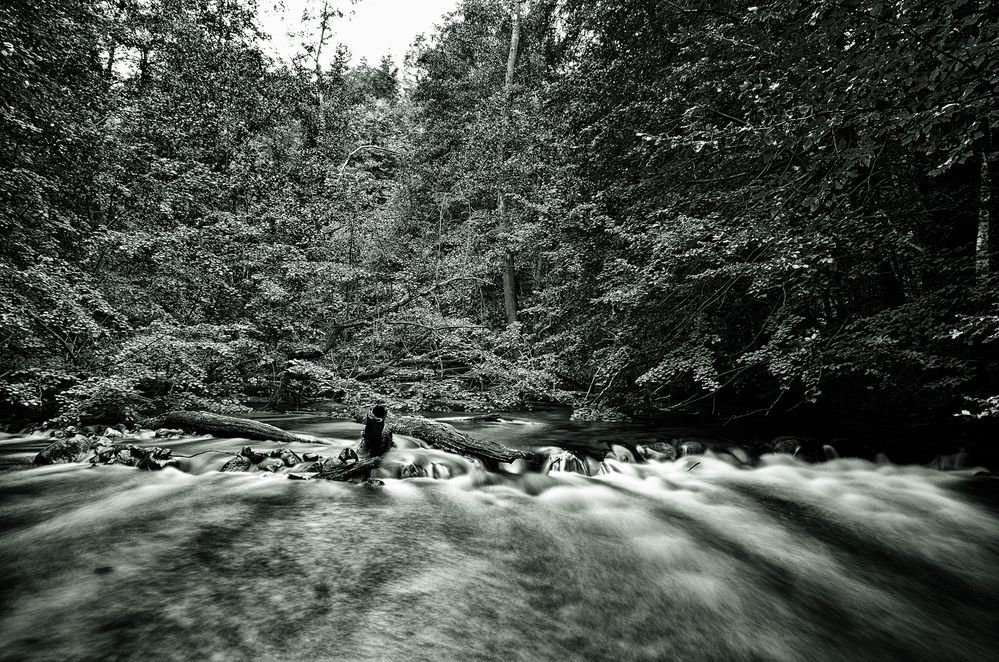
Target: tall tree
point(505, 223)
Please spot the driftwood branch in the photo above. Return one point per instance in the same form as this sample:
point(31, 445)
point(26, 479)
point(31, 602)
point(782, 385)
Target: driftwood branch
point(359, 469)
point(225, 426)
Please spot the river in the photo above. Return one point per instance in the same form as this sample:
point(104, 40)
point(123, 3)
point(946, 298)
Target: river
point(698, 559)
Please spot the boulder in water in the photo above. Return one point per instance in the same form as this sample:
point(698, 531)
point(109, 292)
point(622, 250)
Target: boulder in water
point(253, 456)
point(620, 453)
point(310, 457)
point(238, 463)
point(166, 433)
point(657, 451)
point(152, 463)
point(786, 445)
point(829, 452)
point(289, 457)
point(690, 447)
point(112, 433)
point(271, 464)
point(149, 459)
point(65, 451)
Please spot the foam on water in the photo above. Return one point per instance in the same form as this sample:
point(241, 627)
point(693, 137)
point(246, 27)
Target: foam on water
point(693, 560)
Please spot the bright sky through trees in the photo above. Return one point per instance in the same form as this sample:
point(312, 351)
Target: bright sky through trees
point(369, 28)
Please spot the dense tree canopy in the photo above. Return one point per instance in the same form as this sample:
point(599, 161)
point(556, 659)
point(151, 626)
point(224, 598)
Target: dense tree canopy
point(621, 206)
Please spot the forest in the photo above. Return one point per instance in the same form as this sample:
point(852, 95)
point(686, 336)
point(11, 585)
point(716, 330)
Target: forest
point(623, 207)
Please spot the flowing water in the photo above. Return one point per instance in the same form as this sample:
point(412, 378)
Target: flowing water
point(698, 559)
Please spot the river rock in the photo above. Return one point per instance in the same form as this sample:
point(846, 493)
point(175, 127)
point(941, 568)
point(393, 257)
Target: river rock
point(271, 464)
point(786, 445)
point(152, 458)
point(238, 463)
point(64, 451)
point(657, 451)
point(153, 463)
point(168, 432)
point(347, 455)
point(620, 453)
point(295, 475)
point(289, 457)
point(310, 457)
point(102, 454)
point(112, 433)
point(685, 448)
point(253, 456)
point(324, 464)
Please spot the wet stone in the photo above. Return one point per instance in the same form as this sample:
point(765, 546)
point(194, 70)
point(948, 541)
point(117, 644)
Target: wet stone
point(787, 445)
point(687, 448)
point(620, 453)
point(151, 463)
point(238, 463)
point(310, 457)
point(658, 451)
point(65, 451)
point(271, 464)
point(253, 456)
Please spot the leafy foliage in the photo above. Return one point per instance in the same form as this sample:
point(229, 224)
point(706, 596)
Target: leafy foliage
point(776, 203)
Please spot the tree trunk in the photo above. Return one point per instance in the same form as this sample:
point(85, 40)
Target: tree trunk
point(505, 224)
point(444, 437)
point(992, 168)
point(982, 252)
point(359, 469)
point(509, 266)
point(224, 426)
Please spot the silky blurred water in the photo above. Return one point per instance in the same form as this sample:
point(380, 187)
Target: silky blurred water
point(697, 559)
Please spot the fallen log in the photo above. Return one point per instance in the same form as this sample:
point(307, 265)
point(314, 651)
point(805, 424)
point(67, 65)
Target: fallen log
point(444, 437)
point(225, 426)
point(359, 469)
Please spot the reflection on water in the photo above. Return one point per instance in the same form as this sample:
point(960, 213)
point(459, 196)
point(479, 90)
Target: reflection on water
point(845, 560)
